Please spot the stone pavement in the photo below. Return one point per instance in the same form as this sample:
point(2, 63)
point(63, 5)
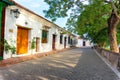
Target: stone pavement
point(15, 60)
point(75, 64)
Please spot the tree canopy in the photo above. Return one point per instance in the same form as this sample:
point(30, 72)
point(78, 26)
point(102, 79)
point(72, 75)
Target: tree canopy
point(88, 17)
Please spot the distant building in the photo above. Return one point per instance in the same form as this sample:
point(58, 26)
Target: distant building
point(83, 42)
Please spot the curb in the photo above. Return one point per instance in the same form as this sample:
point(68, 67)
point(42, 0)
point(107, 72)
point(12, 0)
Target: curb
point(108, 64)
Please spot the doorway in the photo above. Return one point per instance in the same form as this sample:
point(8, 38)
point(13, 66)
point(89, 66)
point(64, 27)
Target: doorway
point(84, 44)
point(37, 44)
point(65, 42)
point(53, 42)
point(22, 40)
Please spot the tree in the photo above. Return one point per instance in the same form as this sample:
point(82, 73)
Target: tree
point(90, 18)
point(93, 20)
point(113, 22)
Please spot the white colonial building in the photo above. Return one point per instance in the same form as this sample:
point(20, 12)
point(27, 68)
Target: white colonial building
point(29, 33)
point(83, 42)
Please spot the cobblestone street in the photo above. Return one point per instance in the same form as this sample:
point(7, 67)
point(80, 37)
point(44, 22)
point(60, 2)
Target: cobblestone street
point(75, 64)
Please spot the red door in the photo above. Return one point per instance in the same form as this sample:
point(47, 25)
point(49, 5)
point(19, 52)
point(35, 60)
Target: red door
point(53, 42)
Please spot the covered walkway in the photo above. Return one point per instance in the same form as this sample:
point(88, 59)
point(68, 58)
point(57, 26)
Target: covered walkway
point(75, 64)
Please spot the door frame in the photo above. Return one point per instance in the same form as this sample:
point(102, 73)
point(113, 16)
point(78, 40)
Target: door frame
point(53, 42)
point(65, 39)
point(37, 44)
point(18, 26)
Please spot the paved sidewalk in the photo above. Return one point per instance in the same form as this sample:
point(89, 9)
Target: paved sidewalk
point(15, 60)
point(75, 64)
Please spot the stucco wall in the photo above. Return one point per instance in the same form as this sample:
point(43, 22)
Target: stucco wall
point(80, 43)
point(35, 25)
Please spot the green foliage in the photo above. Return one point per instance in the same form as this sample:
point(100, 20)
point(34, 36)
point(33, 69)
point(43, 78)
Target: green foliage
point(13, 49)
point(118, 34)
point(93, 21)
point(7, 47)
point(1, 58)
point(90, 19)
point(56, 9)
point(33, 43)
point(10, 47)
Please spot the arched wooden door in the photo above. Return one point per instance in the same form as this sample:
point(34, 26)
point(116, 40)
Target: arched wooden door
point(22, 40)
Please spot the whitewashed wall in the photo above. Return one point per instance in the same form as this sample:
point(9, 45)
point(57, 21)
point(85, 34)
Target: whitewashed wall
point(34, 23)
point(80, 43)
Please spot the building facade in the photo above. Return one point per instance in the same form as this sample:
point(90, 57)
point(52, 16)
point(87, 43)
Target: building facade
point(83, 42)
point(28, 33)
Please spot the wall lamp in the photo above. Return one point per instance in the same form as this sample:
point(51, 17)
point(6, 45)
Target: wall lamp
point(16, 12)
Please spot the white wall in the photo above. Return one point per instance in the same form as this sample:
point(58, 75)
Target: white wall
point(80, 43)
point(35, 25)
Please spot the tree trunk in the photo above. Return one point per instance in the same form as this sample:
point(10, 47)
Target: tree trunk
point(113, 22)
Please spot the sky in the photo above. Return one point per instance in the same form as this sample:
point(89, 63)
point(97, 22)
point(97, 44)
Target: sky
point(38, 6)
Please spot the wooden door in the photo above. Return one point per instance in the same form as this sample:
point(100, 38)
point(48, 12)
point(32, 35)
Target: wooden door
point(22, 40)
point(53, 42)
point(65, 42)
point(37, 44)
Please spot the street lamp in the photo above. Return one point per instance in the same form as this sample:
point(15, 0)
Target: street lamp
point(16, 12)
